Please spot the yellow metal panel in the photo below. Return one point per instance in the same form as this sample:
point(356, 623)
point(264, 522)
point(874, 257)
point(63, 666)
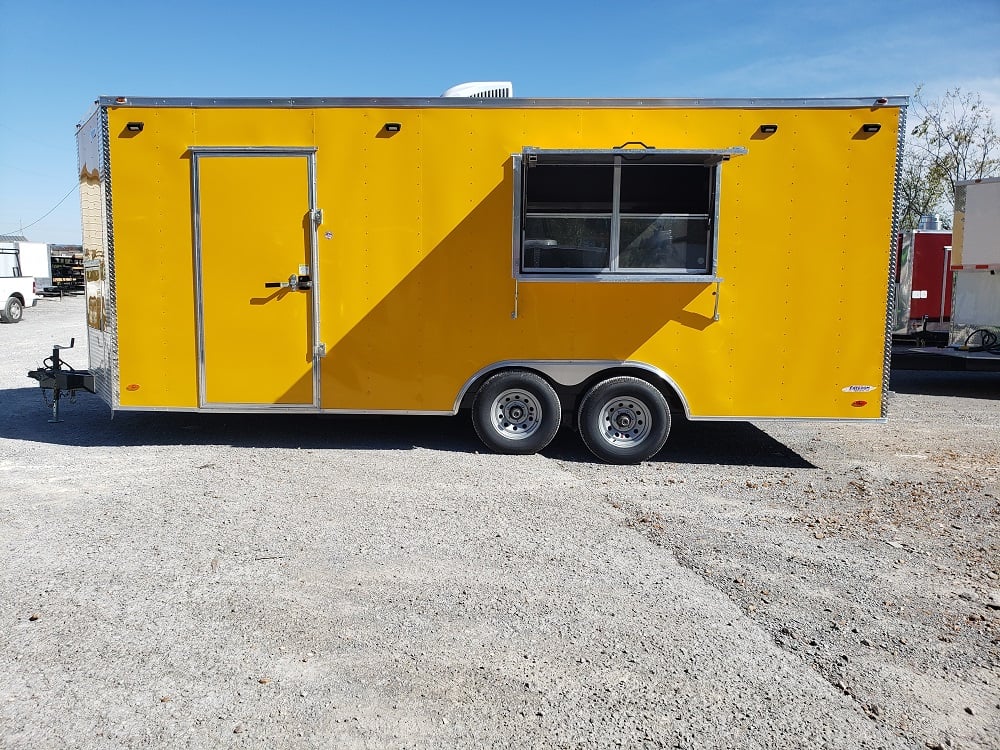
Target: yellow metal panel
point(153, 229)
point(255, 229)
point(421, 270)
point(415, 252)
point(252, 127)
point(150, 181)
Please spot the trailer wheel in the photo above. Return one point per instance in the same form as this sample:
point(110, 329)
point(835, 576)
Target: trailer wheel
point(12, 311)
point(624, 420)
point(516, 412)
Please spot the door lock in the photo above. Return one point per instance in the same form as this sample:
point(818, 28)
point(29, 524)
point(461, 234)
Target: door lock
point(296, 282)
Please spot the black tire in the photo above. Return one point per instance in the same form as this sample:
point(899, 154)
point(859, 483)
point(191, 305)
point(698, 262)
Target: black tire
point(624, 420)
point(13, 310)
point(516, 412)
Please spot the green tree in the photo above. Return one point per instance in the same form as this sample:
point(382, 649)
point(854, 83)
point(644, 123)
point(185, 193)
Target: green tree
point(954, 138)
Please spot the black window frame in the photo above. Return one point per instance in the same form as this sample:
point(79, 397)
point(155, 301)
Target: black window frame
point(617, 160)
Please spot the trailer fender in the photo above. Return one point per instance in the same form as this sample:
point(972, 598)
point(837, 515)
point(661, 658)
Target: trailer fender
point(575, 376)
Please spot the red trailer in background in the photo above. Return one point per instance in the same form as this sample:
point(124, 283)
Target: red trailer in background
point(923, 284)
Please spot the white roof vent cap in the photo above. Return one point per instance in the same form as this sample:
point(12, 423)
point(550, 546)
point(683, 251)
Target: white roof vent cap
point(482, 90)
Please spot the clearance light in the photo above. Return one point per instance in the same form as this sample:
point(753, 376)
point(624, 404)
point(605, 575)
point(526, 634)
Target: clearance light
point(393, 127)
point(768, 129)
point(858, 404)
point(871, 127)
point(134, 127)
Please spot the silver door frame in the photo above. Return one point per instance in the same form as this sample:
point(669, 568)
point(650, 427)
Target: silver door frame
point(309, 153)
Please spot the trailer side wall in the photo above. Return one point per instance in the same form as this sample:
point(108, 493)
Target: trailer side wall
point(414, 252)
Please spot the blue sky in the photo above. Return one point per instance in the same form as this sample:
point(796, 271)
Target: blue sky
point(59, 56)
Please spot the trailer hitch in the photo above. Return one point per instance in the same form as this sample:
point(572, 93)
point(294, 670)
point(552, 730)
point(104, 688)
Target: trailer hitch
point(60, 377)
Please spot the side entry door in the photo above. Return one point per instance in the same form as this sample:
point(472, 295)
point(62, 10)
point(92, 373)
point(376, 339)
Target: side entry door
point(255, 264)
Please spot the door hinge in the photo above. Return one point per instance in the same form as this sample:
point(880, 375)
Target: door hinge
point(320, 350)
point(317, 216)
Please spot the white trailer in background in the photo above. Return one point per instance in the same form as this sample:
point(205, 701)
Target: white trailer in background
point(975, 255)
point(974, 330)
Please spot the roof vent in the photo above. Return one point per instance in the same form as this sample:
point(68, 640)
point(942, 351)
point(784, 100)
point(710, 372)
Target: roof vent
point(482, 90)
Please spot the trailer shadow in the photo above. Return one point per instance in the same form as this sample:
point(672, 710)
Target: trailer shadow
point(88, 423)
point(704, 443)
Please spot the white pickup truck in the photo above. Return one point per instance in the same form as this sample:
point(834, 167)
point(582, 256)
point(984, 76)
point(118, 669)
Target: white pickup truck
point(16, 293)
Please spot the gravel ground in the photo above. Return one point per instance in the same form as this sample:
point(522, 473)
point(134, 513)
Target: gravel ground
point(206, 581)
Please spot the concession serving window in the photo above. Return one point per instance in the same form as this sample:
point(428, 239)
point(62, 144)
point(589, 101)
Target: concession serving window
point(617, 215)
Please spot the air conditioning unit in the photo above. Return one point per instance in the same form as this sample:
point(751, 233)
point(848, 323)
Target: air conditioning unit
point(482, 90)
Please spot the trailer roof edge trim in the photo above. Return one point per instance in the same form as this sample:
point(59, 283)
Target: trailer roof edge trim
point(463, 103)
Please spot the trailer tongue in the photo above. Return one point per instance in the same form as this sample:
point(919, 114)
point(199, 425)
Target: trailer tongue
point(59, 377)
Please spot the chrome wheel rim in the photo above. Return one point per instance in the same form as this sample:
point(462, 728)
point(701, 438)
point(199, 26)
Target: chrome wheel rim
point(625, 422)
point(516, 414)
point(15, 309)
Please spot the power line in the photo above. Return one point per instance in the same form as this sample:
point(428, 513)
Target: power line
point(28, 226)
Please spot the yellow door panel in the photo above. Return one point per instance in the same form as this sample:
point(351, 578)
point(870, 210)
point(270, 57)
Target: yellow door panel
point(255, 229)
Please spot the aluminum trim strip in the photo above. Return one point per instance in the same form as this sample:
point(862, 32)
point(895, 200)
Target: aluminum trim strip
point(109, 283)
point(278, 409)
point(512, 103)
point(716, 189)
point(879, 420)
point(388, 412)
point(254, 408)
point(517, 233)
point(199, 305)
point(606, 277)
point(252, 150)
point(314, 277)
point(164, 409)
point(890, 303)
point(199, 152)
point(616, 217)
point(618, 153)
point(241, 409)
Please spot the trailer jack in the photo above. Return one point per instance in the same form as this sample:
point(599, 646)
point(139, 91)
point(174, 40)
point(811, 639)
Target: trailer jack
point(60, 378)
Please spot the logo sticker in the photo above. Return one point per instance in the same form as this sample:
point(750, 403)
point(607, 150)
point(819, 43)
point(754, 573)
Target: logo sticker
point(860, 388)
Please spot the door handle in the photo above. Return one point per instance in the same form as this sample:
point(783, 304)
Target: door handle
point(295, 282)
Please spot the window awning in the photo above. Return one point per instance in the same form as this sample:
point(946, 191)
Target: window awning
point(631, 155)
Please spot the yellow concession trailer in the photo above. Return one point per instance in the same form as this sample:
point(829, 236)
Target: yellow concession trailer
point(598, 263)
